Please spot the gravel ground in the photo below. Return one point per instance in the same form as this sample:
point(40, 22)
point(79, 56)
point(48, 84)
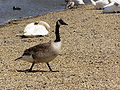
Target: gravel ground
point(89, 59)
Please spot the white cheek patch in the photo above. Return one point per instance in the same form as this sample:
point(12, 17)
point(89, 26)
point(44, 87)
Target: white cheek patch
point(59, 23)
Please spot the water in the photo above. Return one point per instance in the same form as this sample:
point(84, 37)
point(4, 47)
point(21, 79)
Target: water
point(28, 8)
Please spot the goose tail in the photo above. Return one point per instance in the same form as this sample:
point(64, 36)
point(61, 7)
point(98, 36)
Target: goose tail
point(18, 58)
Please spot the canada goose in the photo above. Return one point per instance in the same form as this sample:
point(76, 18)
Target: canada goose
point(99, 4)
point(36, 29)
point(44, 52)
point(16, 8)
point(112, 7)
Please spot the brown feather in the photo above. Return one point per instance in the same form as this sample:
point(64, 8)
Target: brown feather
point(38, 48)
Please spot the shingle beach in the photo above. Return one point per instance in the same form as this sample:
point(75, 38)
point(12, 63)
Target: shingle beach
point(89, 59)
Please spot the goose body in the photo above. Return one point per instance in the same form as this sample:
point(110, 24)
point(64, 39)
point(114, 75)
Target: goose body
point(112, 7)
point(42, 53)
point(46, 52)
point(100, 3)
point(36, 28)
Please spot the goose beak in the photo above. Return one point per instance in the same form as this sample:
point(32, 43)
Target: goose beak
point(65, 24)
point(61, 22)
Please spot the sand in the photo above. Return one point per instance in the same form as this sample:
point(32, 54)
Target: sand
point(89, 59)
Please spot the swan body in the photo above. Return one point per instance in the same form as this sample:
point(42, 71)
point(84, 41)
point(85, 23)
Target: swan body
point(46, 52)
point(112, 7)
point(79, 2)
point(36, 28)
point(100, 3)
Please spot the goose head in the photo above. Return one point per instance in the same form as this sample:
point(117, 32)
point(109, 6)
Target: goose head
point(61, 22)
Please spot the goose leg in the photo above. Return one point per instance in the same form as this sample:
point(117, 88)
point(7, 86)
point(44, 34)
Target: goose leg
point(31, 67)
point(49, 66)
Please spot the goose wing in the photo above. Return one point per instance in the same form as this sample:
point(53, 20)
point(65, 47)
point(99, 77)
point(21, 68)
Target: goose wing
point(40, 51)
point(40, 48)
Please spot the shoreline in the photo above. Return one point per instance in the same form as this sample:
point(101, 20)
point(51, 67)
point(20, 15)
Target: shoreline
point(27, 9)
point(23, 18)
point(89, 59)
point(30, 17)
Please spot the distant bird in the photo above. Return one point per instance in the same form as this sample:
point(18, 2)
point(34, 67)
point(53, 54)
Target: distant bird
point(113, 7)
point(46, 52)
point(38, 28)
point(16, 8)
point(99, 4)
point(70, 5)
point(73, 3)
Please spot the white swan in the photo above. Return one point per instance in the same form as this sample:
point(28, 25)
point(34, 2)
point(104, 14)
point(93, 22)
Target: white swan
point(112, 7)
point(112, 0)
point(78, 2)
point(36, 29)
point(100, 3)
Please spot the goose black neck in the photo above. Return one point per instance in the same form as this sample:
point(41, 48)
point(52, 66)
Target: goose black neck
point(57, 33)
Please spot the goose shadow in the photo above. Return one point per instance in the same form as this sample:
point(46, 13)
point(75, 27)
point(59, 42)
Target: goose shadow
point(24, 36)
point(34, 71)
